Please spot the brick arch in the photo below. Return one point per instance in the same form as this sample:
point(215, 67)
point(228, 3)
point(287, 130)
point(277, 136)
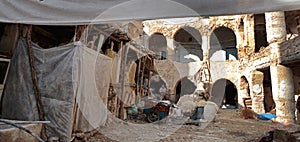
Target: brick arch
point(183, 27)
point(234, 81)
point(157, 31)
point(226, 25)
point(153, 33)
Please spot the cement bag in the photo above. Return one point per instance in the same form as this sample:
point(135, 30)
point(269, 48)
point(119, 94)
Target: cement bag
point(187, 105)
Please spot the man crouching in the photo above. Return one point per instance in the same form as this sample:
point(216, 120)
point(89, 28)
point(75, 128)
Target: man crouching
point(200, 101)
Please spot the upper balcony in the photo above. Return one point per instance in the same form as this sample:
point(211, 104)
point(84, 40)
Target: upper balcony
point(289, 51)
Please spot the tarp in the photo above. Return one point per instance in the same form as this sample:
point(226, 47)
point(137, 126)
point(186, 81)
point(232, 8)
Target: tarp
point(73, 81)
point(71, 12)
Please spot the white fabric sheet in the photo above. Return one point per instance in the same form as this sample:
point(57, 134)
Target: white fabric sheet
point(73, 81)
point(71, 12)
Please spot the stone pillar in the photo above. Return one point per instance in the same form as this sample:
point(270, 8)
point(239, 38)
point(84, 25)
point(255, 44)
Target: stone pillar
point(283, 93)
point(249, 28)
point(205, 47)
point(257, 92)
point(204, 30)
point(171, 49)
point(276, 31)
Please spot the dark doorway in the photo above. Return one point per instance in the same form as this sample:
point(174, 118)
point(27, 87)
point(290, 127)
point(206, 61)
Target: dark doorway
point(184, 86)
point(230, 94)
point(269, 103)
point(224, 93)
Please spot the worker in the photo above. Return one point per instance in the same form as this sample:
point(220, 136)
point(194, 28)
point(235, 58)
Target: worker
point(200, 103)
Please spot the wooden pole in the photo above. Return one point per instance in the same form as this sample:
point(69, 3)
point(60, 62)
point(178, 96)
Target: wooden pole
point(122, 78)
point(35, 84)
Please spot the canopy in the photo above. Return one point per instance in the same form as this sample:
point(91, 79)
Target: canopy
point(75, 12)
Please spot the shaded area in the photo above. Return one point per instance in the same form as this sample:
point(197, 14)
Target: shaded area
point(269, 102)
point(184, 87)
point(260, 33)
point(224, 92)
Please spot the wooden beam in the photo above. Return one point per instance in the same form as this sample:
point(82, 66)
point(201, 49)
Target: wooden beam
point(9, 39)
point(43, 32)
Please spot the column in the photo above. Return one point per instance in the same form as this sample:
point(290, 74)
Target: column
point(249, 29)
point(257, 92)
point(276, 31)
point(283, 93)
point(171, 49)
point(205, 47)
point(205, 29)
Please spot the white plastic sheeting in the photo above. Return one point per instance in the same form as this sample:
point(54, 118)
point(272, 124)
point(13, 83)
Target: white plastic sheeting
point(71, 12)
point(70, 95)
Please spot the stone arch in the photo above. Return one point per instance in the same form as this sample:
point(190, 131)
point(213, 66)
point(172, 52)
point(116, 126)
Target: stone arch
point(158, 44)
point(223, 44)
point(161, 29)
point(226, 25)
point(224, 92)
point(184, 86)
point(188, 41)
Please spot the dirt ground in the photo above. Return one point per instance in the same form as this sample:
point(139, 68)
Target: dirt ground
point(227, 127)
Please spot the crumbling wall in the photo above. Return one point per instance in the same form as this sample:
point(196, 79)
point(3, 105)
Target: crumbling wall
point(249, 61)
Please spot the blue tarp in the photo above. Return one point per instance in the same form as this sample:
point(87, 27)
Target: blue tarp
point(266, 116)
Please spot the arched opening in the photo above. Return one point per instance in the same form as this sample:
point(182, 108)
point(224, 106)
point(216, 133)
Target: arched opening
point(183, 87)
point(260, 34)
point(158, 44)
point(245, 93)
point(224, 94)
point(188, 41)
point(223, 44)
